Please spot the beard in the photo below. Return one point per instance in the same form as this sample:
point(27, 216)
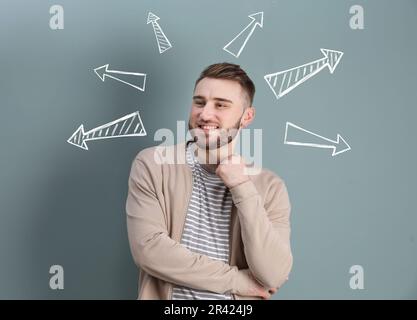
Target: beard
point(213, 140)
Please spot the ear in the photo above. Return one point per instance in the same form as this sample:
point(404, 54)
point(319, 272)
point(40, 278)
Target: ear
point(248, 116)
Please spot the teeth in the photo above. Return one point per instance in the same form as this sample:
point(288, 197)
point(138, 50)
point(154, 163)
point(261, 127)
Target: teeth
point(209, 127)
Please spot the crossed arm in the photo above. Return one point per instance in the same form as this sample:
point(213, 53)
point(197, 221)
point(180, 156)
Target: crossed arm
point(265, 234)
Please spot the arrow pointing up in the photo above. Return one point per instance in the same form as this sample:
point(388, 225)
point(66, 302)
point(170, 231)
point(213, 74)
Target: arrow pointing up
point(128, 126)
point(339, 145)
point(162, 40)
point(237, 44)
point(284, 81)
point(138, 79)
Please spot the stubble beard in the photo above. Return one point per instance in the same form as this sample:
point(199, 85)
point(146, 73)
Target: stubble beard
point(208, 143)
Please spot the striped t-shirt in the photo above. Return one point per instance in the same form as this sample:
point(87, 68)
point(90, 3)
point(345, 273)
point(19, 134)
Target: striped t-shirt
point(206, 229)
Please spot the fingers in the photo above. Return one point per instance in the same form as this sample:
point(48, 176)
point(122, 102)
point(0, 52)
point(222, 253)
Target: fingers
point(255, 288)
point(266, 295)
point(262, 292)
point(230, 149)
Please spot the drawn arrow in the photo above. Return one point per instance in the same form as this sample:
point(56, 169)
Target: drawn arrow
point(163, 42)
point(139, 79)
point(127, 126)
point(284, 81)
point(339, 145)
point(237, 44)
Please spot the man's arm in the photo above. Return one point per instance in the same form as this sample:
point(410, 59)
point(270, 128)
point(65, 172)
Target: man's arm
point(159, 255)
point(265, 230)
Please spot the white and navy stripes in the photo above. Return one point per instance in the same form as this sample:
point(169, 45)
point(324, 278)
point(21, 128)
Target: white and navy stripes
point(207, 224)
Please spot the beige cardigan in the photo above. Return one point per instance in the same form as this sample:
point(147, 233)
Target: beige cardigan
point(156, 207)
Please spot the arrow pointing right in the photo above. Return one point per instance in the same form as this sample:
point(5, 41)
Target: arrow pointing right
point(236, 45)
point(284, 81)
point(339, 145)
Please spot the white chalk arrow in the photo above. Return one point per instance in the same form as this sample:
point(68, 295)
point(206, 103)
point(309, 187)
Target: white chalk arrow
point(161, 39)
point(128, 126)
point(139, 79)
point(339, 145)
point(237, 44)
point(284, 81)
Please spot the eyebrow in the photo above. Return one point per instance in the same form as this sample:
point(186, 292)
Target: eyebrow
point(218, 99)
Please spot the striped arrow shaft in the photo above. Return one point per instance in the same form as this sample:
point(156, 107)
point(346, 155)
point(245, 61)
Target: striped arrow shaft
point(284, 81)
point(127, 126)
point(162, 40)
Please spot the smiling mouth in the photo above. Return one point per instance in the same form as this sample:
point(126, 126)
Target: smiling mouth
point(208, 128)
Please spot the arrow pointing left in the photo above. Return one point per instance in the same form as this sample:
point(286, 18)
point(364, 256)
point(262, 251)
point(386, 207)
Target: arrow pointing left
point(136, 80)
point(128, 126)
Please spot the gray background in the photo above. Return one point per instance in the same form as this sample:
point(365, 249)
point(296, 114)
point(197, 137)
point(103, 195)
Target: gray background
point(63, 205)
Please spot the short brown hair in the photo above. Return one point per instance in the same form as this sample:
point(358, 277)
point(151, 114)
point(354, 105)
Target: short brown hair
point(229, 71)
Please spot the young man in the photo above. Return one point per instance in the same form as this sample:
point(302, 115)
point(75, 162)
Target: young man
point(201, 227)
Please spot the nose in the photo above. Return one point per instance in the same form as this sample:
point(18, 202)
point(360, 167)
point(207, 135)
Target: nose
point(208, 112)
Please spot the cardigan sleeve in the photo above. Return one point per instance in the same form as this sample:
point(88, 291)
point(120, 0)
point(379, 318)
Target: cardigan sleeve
point(265, 230)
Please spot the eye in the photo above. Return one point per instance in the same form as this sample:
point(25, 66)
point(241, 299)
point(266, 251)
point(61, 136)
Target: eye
point(199, 103)
point(221, 105)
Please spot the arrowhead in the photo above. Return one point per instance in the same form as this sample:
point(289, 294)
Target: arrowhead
point(341, 146)
point(77, 138)
point(101, 71)
point(152, 18)
point(258, 18)
point(333, 58)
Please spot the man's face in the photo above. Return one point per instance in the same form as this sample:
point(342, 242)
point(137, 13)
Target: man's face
point(216, 111)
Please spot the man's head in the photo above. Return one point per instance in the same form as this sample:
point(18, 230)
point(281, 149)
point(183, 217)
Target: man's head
point(222, 104)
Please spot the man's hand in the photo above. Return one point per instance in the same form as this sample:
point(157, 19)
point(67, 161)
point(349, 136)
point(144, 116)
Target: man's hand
point(232, 171)
point(250, 287)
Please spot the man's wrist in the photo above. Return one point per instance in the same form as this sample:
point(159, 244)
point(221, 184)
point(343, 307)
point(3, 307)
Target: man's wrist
point(243, 191)
point(239, 182)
